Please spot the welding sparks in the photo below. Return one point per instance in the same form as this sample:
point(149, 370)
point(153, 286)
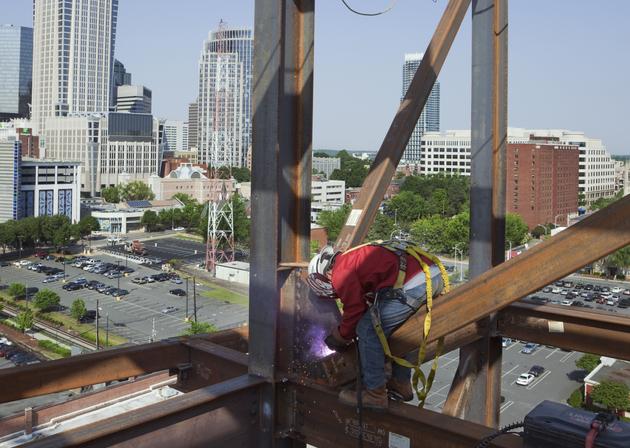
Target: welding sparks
point(318, 348)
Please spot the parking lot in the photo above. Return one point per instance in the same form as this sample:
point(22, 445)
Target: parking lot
point(556, 383)
point(137, 316)
point(188, 251)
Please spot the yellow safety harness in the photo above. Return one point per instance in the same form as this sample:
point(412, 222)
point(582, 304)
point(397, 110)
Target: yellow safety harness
point(401, 248)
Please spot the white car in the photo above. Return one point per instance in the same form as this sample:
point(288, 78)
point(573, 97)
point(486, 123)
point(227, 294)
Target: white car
point(567, 302)
point(616, 290)
point(556, 291)
point(179, 229)
point(525, 379)
point(169, 309)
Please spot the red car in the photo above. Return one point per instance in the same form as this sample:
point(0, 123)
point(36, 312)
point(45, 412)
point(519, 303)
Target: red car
point(41, 254)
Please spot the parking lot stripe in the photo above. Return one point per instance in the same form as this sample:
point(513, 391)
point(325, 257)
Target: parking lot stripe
point(510, 371)
point(550, 354)
point(566, 357)
point(539, 380)
point(505, 406)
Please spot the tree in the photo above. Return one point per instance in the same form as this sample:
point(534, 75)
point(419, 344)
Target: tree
point(587, 362)
point(200, 328)
point(334, 220)
point(78, 309)
point(46, 299)
point(223, 172)
point(111, 194)
point(352, 170)
point(17, 290)
point(539, 231)
point(8, 236)
point(136, 191)
point(515, 230)
point(430, 232)
point(150, 220)
point(320, 154)
point(185, 199)
point(613, 395)
point(24, 320)
point(382, 228)
point(406, 207)
point(619, 260)
point(241, 174)
point(87, 225)
point(241, 221)
point(63, 235)
point(438, 203)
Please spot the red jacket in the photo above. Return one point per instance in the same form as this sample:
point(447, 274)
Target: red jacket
point(361, 271)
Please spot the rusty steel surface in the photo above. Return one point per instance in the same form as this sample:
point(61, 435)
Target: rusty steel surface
point(93, 368)
point(602, 233)
point(224, 414)
point(391, 150)
point(568, 328)
point(324, 422)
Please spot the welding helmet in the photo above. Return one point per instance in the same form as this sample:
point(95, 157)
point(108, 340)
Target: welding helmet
point(318, 269)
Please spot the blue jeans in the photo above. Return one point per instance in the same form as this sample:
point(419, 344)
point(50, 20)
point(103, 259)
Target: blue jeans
point(393, 313)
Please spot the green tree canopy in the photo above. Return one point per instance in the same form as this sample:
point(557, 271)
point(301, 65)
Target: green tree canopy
point(111, 194)
point(24, 320)
point(150, 220)
point(136, 191)
point(587, 362)
point(516, 230)
point(334, 220)
point(352, 170)
point(241, 174)
point(46, 299)
point(613, 395)
point(200, 328)
point(382, 228)
point(406, 207)
point(78, 310)
point(17, 290)
point(456, 187)
point(87, 225)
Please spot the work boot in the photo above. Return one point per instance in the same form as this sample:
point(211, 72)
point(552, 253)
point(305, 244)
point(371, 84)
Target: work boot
point(400, 390)
point(373, 399)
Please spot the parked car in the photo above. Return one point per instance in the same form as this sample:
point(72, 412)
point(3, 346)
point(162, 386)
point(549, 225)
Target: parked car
point(556, 291)
point(176, 280)
point(72, 286)
point(89, 316)
point(178, 292)
point(41, 254)
point(139, 280)
point(169, 309)
point(616, 290)
point(588, 287)
point(529, 348)
point(547, 289)
point(626, 292)
point(525, 379)
point(93, 284)
point(566, 302)
point(506, 342)
point(50, 279)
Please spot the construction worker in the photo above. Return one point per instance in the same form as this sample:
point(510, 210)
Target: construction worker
point(363, 279)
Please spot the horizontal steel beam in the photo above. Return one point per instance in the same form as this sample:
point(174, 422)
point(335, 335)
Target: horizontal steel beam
point(585, 242)
point(568, 328)
point(224, 414)
point(103, 366)
point(322, 421)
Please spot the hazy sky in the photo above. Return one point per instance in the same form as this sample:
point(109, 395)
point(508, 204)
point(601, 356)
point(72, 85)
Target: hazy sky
point(569, 62)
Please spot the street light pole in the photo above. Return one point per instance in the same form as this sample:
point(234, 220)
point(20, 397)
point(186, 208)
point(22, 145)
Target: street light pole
point(195, 297)
point(118, 274)
point(97, 341)
point(186, 298)
point(107, 331)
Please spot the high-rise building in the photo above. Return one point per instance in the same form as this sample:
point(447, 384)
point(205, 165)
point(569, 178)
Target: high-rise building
point(73, 57)
point(112, 147)
point(429, 120)
point(193, 125)
point(121, 77)
point(16, 69)
point(9, 177)
point(135, 99)
point(224, 101)
point(175, 135)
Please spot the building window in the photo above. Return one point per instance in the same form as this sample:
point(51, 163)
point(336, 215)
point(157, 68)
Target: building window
point(65, 203)
point(46, 202)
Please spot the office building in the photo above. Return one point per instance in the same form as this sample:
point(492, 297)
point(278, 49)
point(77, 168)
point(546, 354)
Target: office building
point(191, 180)
point(328, 191)
point(21, 130)
point(10, 149)
point(127, 216)
point(193, 125)
point(16, 63)
point(175, 136)
point(121, 77)
point(326, 165)
point(429, 120)
point(224, 101)
point(112, 147)
point(73, 57)
point(134, 99)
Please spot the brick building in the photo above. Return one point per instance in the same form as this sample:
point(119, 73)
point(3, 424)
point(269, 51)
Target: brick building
point(542, 181)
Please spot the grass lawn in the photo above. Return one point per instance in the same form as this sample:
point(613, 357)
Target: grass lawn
point(87, 331)
point(220, 293)
point(189, 236)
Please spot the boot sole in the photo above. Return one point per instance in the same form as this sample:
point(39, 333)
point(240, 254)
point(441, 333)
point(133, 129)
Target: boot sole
point(398, 397)
point(365, 406)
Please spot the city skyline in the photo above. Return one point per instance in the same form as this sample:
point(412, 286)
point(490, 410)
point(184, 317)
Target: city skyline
point(354, 112)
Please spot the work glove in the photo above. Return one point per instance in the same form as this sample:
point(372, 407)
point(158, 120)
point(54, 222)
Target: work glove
point(336, 342)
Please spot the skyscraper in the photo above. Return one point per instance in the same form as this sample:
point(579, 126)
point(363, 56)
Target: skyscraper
point(73, 56)
point(136, 99)
point(224, 102)
point(16, 61)
point(429, 120)
point(193, 125)
point(121, 77)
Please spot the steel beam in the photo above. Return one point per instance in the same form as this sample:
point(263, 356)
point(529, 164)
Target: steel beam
point(391, 150)
point(225, 414)
point(323, 421)
point(93, 368)
point(281, 180)
point(477, 382)
point(602, 233)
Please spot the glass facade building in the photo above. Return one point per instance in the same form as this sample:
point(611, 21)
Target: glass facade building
point(16, 67)
point(224, 107)
point(429, 120)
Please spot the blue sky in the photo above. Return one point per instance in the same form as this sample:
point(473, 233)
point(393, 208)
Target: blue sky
point(569, 62)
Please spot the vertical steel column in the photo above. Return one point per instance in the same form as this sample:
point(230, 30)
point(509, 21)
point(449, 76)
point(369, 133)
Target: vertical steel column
point(477, 384)
point(281, 145)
